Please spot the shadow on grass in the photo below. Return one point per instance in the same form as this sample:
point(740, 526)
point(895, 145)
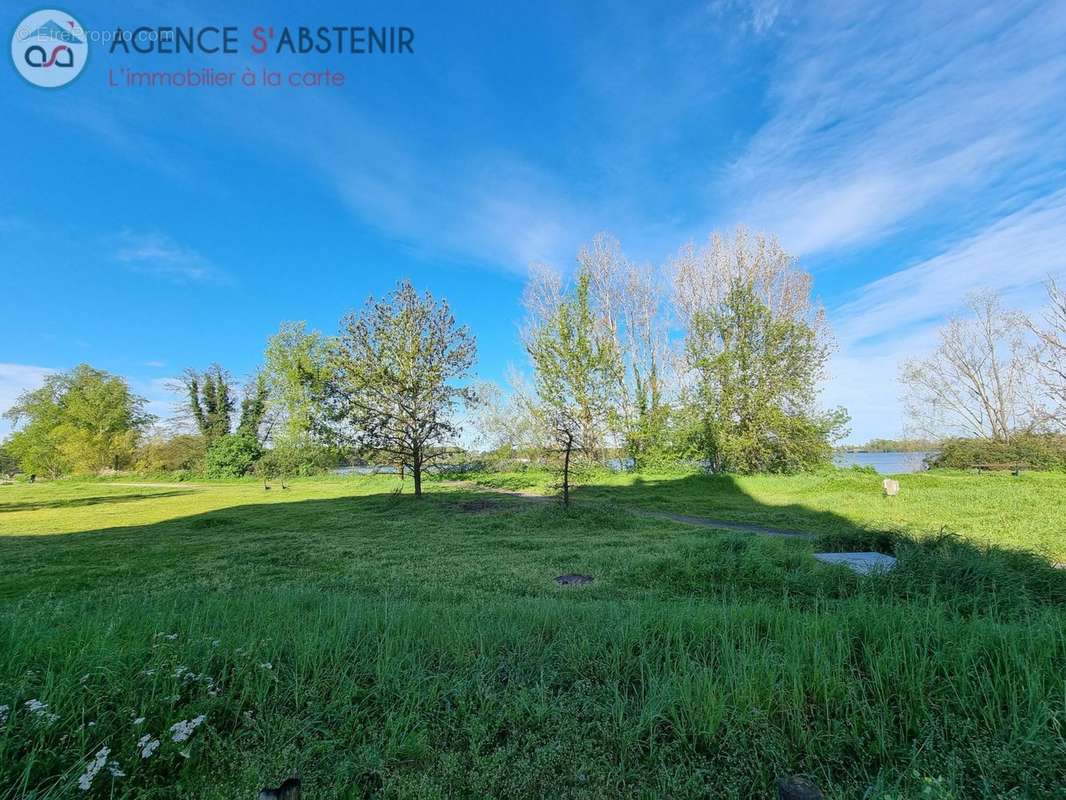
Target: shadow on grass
point(464, 545)
point(78, 502)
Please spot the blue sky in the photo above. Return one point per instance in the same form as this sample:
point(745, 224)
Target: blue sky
point(906, 152)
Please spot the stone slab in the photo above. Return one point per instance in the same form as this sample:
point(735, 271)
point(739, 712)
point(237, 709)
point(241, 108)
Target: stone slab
point(862, 563)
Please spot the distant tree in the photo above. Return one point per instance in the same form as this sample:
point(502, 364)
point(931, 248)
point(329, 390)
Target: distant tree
point(395, 369)
point(503, 424)
point(211, 404)
point(8, 463)
point(757, 347)
point(978, 380)
point(83, 420)
point(575, 371)
point(254, 409)
point(1049, 354)
point(628, 309)
point(210, 401)
point(171, 454)
point(297, 372)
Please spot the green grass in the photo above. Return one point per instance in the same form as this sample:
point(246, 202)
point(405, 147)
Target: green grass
point(1026, 512)
point(388, 647)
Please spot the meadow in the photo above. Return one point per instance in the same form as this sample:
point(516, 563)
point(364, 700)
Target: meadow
point(219, 637)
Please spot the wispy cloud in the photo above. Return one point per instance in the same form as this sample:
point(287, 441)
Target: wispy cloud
point(159, 255)
point(896, 317)
point(866, 131)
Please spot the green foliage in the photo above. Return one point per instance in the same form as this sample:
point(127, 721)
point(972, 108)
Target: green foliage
point(297, 372)
point(1026, 451)
point(396, 365)
point(231, 456)
point(574, 368)
point(210, 401)
point(253, 408)
point(171, 454)
point(83, 420)
point(753, 409)
point(286, 460)
point(8, 463)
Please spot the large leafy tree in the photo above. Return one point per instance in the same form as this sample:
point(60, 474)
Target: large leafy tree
point(297, 372)
point(394, 379)
point(575, 371)
point(83, 420)
point(757, 348)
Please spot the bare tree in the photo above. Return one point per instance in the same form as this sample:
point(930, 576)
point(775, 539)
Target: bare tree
point(1049, 353)
point(978, 381)
point(395, 368)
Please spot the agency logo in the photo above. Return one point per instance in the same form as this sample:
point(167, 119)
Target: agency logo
point(49, 48)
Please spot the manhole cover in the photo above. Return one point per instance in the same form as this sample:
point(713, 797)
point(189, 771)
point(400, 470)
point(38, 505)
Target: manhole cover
point(573, 580)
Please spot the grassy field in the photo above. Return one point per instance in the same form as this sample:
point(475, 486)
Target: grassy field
point(383, 646)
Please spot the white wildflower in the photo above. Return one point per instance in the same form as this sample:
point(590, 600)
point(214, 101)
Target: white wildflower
point(267, 665)
point(85, 782)
point(115, 770)
point(148, 745)
point(138, 721)
point(180, 731)
point(170, 637)
point(36, 706)
point(215, 642)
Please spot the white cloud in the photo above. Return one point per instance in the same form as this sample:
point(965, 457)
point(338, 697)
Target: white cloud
point(159, 255)
point(896, 317)
point(876, 112)
point(14, 380)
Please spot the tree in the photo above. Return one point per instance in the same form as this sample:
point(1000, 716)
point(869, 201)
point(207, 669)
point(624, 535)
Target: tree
point(393, 386)
point(503, 424)
point(574, 372)
point(757, 348)
point(8, 463)
point(180, 452)
point(627, 304)
point(297, 372)
point(1049, 354)
point(83, 420)
point(210, 403)
point(978, 380)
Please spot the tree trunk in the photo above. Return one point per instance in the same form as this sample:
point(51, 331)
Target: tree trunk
point(416, 471)
point(566, 471)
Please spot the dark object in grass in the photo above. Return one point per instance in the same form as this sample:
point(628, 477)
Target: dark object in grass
point(796, 787)
point(289, 790)
point(573, 580)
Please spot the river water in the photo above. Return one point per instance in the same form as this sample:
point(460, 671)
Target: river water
point(885, 463)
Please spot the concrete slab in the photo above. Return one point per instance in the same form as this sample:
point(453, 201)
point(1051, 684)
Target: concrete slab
point(862, 563)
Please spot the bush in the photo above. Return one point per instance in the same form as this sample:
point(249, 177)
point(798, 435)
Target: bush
point(296, 461)
point(231, 456)
point(1037, 452)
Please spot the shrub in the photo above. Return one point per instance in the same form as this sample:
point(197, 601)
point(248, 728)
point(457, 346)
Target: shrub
point(1038, 452)
point(296, 460)
point(231, 456)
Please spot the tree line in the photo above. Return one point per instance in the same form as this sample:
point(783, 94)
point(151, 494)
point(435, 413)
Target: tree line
point(716, 357)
